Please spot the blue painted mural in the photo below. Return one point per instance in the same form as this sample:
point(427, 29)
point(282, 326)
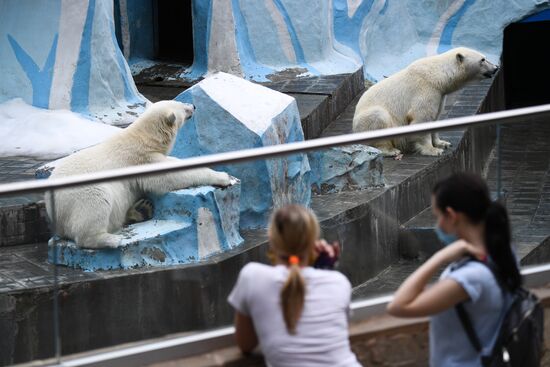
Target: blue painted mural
point(78, 55)
point(64, 55)
point(257, 38)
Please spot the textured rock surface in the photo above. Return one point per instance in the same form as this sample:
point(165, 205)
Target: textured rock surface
point(233, 114)
point(188, 226)
point(351, 167)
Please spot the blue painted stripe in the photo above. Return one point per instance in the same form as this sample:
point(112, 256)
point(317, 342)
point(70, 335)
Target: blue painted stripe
point(41, 80)
point(47, 75)
point(80, 92)
point(538, 17)
point(384, 8)
point(346, 29)
point(249, 63)
point(241, 30)
point(300, 57)
point(202, 16)
point(129, 93)
point(447, 35)
point(296, 45)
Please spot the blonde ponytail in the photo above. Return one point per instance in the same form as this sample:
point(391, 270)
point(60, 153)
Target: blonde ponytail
point(292, 234)
point(292, 298)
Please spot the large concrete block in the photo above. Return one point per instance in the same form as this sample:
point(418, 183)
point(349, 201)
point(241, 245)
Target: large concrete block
point(352, 167)
point(188, 226)
point(233, 114)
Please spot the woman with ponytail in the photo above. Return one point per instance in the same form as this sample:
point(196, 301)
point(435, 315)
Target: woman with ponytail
point(295, 312)
point(480, 276)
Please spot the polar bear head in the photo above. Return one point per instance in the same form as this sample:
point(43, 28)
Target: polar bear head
point(474, 64)
point(160, 123)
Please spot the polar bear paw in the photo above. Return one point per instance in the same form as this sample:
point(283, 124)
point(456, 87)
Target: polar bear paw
point(141, 211)
point(390, 152)
point(224, 179)
point(443, 144)
point(432, 151)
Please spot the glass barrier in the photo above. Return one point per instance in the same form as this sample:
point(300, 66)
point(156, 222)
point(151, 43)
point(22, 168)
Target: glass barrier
point(170, 271)
point(27, 280)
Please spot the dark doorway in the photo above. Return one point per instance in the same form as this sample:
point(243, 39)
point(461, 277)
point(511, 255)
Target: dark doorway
point(526, 64)
point(173, 31)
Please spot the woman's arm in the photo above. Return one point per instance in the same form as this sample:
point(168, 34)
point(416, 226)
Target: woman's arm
point(413, 300)
point(245, 334)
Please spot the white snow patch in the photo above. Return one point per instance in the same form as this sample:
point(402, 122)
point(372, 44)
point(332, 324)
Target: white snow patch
point(30, 131)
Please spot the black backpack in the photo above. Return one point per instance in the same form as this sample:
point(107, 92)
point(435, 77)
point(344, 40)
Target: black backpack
point(520, 337)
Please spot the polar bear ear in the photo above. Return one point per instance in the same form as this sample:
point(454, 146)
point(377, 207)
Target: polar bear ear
point(459, 57)
point(171, 119)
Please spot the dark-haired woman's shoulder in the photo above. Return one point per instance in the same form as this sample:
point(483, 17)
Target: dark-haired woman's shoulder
point(475, 277)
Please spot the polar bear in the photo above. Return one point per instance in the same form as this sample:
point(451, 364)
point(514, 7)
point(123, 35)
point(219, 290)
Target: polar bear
point(416, 94)
point(90, 214)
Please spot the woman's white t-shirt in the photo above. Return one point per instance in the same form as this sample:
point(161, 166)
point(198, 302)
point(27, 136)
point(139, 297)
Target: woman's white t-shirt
point(321, 337)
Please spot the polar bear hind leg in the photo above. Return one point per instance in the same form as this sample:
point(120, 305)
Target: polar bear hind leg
point(141, 211)
point(376, 118)
point(92, 230)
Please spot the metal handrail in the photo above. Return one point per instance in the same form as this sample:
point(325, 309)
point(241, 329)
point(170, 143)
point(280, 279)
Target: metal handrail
point(502, 117)
point(177, 347)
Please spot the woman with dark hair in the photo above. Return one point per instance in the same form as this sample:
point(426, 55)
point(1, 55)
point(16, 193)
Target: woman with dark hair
point(476, 233)
point(298, 314)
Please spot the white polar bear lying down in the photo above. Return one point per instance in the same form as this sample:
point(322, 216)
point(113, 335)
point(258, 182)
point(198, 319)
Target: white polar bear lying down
point(416, 94)
point(90, 215)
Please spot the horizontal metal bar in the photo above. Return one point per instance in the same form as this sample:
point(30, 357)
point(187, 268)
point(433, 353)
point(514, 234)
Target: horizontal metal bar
point(203, 342)
point(510, 116)
point(366, 308)
point(153, 352)
point(536, 276)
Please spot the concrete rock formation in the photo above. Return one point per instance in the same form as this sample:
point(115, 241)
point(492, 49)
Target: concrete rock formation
point(234, 114)
point(353, 167)
point(188, 226)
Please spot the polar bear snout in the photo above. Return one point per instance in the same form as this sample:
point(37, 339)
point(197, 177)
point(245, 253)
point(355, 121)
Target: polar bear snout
point(189, 110)
point(488, 69)
point(490, 73)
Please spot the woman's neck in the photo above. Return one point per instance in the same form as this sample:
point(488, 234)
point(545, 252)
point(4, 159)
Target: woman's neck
point(474, 234)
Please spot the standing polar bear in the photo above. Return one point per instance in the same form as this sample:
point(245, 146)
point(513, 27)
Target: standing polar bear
point(90, 215)
point(416, 94)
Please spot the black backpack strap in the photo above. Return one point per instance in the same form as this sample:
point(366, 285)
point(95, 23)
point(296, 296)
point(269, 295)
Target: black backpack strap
point(468, 327)
point(463, 315)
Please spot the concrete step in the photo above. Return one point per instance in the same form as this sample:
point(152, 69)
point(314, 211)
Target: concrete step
point(417, 238)
point(321, 99)
point(387, 281)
